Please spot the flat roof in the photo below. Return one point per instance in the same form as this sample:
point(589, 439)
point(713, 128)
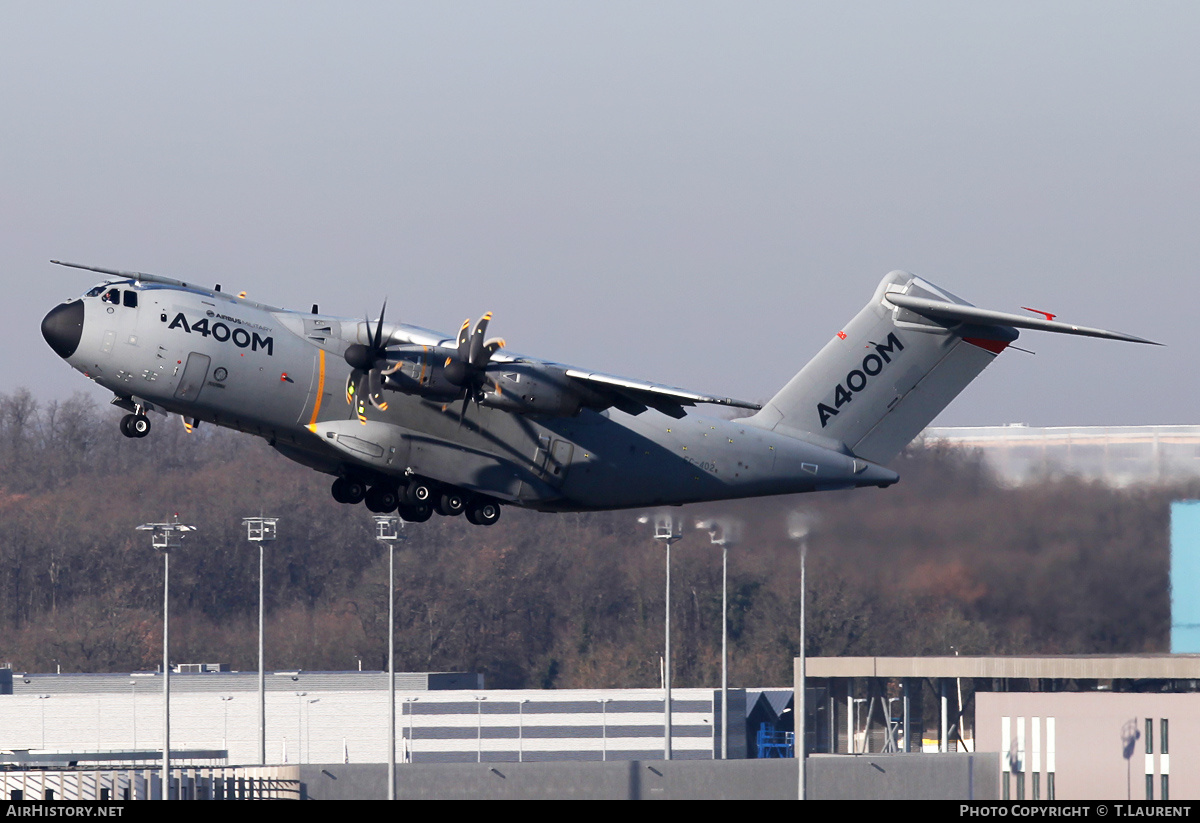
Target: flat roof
point(1062, 667)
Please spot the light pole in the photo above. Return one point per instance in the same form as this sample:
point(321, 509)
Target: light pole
point(799, 524)
point(479, 727)
point(261, 530)
point(308, 726)
point(668, 529)
point(42, 697)
point(164, 537)
point(604, 701)
point(409, 702)
point(225, 698)
point(521, 729)
point(388, 529)
point(723, 532)
point(299, 727)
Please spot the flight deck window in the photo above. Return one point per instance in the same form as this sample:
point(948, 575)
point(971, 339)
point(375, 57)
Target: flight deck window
point(131, 299)
point(112, 296)
point(95, 292)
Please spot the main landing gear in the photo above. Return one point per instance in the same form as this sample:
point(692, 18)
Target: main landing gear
point(135, 425)
point(417, 500)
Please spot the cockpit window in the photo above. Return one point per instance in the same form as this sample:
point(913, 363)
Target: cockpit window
point(112, 296)
point(131, 298)
point(95, 291)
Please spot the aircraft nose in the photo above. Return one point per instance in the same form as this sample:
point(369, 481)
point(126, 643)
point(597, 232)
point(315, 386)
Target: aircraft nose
point(63, 327)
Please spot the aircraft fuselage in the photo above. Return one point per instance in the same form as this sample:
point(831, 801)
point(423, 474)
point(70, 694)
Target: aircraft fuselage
point(283, 375)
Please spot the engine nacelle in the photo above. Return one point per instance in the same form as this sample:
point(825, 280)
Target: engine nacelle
point(526, 389)
point(420, 370)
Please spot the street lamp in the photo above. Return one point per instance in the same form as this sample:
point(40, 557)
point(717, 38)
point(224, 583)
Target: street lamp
point(799, 524)
point(723, 532)
point(388, 529)
point(668, 529)
point(261, 530)
point(164, 537)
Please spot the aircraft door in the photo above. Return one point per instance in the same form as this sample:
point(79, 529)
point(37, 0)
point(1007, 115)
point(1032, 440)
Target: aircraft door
point(560, 460)
point(192, 380)
point(552, 459)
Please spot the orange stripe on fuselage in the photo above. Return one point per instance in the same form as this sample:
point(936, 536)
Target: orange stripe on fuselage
point(320, 385)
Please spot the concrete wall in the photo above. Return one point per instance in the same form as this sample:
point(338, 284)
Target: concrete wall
point(832, 777)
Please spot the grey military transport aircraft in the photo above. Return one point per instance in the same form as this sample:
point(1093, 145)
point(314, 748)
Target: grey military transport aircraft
point(412, 420)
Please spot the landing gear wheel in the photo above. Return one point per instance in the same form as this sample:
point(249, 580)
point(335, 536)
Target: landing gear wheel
point(451, 504)
point(383, 499)
point(418, 493)
point(415, 513)
point(135, 425)
point(483, 512)
point(348, 491)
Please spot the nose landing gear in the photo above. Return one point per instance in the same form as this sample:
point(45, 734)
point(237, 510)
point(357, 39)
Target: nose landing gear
point(135, 425)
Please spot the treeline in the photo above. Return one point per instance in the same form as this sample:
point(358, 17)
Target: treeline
point(947, 560)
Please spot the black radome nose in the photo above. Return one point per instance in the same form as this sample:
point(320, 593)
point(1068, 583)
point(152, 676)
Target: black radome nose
point(63, 327)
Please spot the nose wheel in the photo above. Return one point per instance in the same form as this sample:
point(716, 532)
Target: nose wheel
point(135, 425)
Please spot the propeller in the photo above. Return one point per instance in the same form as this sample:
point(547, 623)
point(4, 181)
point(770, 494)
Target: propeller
point(467, 367)
point(369, 363)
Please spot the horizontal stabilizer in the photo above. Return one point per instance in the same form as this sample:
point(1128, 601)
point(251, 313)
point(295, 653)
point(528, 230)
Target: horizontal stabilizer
point(959, 313)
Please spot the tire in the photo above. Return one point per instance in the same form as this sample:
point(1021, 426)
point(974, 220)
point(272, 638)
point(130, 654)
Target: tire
point(125, 429)
point(417, 513)
point(419, 492)
point(348, 491)
point(382, 499)
point(451, 503)
point(483, 512)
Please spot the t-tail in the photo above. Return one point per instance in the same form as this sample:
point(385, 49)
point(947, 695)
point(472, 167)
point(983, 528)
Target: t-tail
point(895, 366)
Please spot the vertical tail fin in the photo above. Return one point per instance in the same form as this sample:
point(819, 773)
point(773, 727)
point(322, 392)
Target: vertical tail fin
point(895, 366)
point(885, 376)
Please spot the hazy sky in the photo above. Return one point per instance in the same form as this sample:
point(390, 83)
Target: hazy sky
point(695, 193)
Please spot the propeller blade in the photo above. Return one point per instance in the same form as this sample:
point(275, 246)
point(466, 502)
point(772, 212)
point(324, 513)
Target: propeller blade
point(375, 382)
point(376, 344)
point(464, 335)
point(477, 339)
point(462, 413)
point(491, 347)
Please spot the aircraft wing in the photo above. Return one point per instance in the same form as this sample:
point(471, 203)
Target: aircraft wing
point(635, 396)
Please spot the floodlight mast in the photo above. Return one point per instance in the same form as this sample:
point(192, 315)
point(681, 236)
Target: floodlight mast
point(724, 532)
point(668, 529)
point(799, 525)
point(164, 537)
point(388, 529)
point(261, 530)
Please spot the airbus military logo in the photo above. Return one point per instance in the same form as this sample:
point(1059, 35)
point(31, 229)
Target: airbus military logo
point(222, 333)
point(857, 379)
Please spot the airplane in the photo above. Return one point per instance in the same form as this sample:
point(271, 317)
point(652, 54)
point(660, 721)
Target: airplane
point(415, 421)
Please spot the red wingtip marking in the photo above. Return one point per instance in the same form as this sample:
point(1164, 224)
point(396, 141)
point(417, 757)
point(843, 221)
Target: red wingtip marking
point(994, 346)
point(1047, 314)
point(841, 335)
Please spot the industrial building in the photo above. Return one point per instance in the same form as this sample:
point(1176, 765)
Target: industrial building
point(1116, 455)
